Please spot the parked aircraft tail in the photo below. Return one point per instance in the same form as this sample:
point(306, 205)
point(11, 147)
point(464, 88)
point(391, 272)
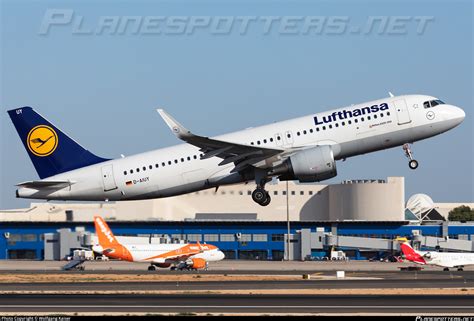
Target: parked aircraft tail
point(109, 243)
point(411, 254)
point(104, 233)
point(51, 151)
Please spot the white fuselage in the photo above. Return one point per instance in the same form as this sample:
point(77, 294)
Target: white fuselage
point(446, 259)
point(150, 252)
point(178, 169)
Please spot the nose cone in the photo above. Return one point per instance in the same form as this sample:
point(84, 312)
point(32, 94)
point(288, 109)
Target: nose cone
point(453, 115)
point(220, 255)
point(459, 113)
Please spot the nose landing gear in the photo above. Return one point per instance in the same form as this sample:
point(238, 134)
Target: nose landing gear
point(413, 164)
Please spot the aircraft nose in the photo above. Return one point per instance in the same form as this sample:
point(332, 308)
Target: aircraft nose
point(221, 255)
point(458, 113)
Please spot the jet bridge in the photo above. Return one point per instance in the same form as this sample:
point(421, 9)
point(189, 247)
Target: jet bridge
point(306, 243)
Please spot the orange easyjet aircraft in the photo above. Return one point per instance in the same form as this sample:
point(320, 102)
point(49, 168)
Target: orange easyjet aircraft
point(176, 256)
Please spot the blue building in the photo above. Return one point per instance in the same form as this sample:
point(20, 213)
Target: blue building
point(262, 240)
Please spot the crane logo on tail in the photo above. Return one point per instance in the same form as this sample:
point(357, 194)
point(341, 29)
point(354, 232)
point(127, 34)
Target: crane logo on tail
point(42, 140)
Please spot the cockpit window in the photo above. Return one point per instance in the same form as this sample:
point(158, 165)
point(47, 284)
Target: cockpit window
point(432, 103)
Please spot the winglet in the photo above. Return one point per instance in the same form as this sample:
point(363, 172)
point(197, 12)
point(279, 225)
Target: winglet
point(179, 130)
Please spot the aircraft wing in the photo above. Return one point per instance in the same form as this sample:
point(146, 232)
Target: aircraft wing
point(172, 257)
point(45, 184)
point(239, 154)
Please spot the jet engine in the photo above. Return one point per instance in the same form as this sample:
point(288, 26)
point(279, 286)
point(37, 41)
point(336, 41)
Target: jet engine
point(197, 263)
point(313, 164)
point(427, 255)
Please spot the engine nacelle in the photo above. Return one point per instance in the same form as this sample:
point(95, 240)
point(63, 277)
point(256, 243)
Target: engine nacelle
point(313, 165)
point(197, 263)
point(427, 255)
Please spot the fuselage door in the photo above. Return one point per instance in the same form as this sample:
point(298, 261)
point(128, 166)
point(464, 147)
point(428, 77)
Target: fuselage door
point(108, 178)
point(401, 108)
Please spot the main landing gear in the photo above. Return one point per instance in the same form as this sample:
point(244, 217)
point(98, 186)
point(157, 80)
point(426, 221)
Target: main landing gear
point(260, 195)
point(413, 164)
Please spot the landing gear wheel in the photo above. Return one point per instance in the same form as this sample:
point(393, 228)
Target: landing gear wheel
point(173, 268)
point(446, 269)
point(151, 268)
point(267, 200)
point(259, 195)
point(413, 164)
point(460, 269)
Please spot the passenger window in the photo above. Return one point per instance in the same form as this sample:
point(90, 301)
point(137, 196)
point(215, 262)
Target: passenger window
point(131, 171)
point(330, 126)
point(278, 138)
point(337, 125)
point(150, 167)
point(182, 160)
point(189, 158)
point(264, 141)
point(317, 129)
point(271, 139)
point(163, 164)
point(258, 142)
point(169, 162)
point(138, 170)
point(195, 157)
point(311, 130)
point(304, 132)
point(368, 117)
point(298, 133)
point(324, 127)
point(156, 165)
point(176, 161)
point(349, 122)
point(125, 173)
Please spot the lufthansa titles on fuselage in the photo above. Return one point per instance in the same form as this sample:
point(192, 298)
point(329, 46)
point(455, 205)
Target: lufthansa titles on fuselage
point(347, 114)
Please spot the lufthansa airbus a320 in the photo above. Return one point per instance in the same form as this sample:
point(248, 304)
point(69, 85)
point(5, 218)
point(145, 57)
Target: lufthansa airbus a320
point(304, 149)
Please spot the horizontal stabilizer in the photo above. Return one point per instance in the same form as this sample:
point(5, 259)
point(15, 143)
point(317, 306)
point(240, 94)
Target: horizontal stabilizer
point(39, 185)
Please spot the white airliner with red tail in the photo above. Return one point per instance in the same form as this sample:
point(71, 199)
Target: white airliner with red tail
point(442, 259)
point(176, 256)
point(304, 149)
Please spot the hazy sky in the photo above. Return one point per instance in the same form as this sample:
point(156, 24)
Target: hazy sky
point(100, 79)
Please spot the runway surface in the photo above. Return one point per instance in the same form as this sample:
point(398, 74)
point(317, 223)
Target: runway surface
point(237, 303)
point(240, 285)
point(231, 266)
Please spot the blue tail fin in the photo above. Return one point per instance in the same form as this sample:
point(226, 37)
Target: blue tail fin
point(51, 151)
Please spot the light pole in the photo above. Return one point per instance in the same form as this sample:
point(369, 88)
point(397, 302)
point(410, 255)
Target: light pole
point(287, 224)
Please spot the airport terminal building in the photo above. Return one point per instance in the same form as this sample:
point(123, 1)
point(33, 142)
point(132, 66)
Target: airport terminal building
point(362, 218)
